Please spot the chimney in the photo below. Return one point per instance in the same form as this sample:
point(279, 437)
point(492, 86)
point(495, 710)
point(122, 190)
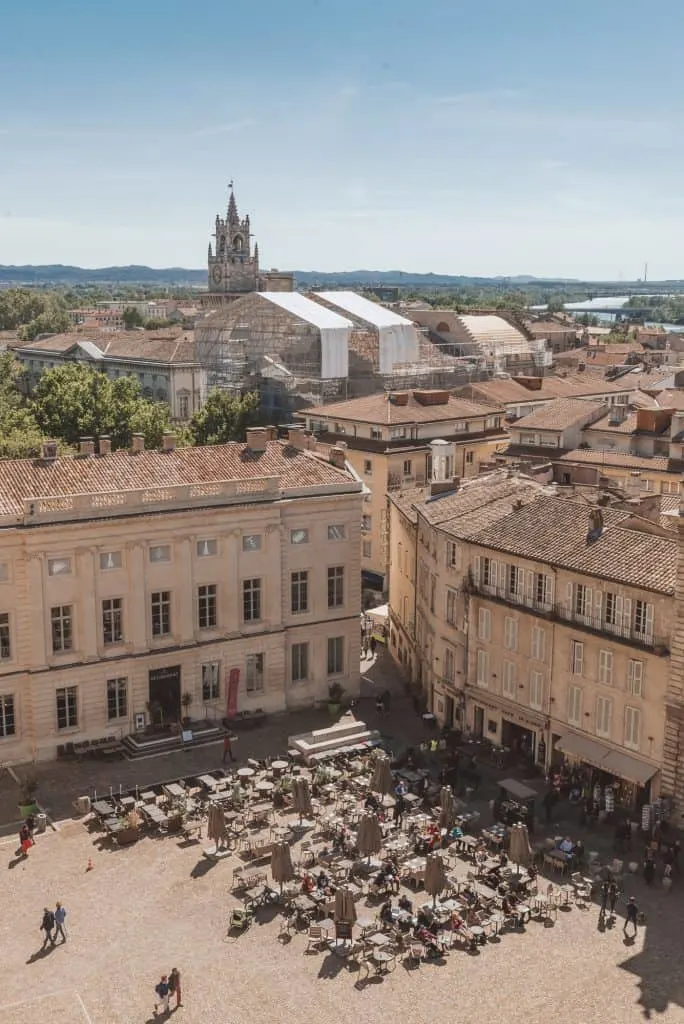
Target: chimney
point(338, 457)
point(442, 460)
point(169, 442)
point(49, 451)
point(86, 446)
point(296, 437)
point(271, 433)
point(256, 439)
point(105, 445)
point(137, 444)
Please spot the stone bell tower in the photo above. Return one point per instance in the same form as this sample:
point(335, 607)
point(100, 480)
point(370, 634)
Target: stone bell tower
point(233, 266)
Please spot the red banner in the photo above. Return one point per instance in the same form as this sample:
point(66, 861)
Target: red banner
point(232, 696)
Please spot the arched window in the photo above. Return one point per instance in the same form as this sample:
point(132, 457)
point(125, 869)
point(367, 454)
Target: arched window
point(238, 243)
point(442, 327)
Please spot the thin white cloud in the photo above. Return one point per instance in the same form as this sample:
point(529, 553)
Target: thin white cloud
point(223, 129)
point(476, 97)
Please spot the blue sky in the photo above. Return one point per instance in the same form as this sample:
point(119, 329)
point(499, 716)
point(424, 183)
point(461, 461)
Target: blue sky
point(478, 138)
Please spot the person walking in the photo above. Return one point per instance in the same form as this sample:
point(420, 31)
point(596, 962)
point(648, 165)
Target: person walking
point(60, 916)
point(46, 925)
point(175, 985)
point(604, 897)
point(162, 992)
point(631, 915)
point(612, 897)
point(228, 749)
point(399, 808)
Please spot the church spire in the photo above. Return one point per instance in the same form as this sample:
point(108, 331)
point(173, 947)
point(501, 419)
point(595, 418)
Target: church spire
point(232, 206)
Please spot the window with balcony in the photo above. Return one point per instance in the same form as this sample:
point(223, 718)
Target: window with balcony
point(536, 690)
point(643, 620)
point(207, 606)
point(482, 677)
point(510, 633)
point(484, 624)
point(335, 655)
point(336, 586)
point(582, 601)
point(211, 680)
point(117, 698)
point(538, 643)
point(61, 623)
point(576, 657)
point(299, 592)
point(575, 705)
point(161, 613)
point(251, 600)
point(543, 589)
point(67, 707)
point(5, 639)
point(632, 728)
point(451, 606)
point(254, 673)
point(604, 716)
point(7, 717)
point(515, 580)
point(509, 680)
point(605, 673)
point(299, 663)
point(408, 467)
point(112, 620)
point(635, 678)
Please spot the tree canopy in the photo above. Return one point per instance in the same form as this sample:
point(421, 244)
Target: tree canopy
point(20, 436)
point(222, 418)
point(74, 401)
point(32, 312)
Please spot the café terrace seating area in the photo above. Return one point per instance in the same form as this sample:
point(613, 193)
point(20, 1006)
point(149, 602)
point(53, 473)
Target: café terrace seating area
point(318, 848)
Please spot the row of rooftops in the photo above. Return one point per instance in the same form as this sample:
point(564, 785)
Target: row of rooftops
point(512, 514)
point(171, 345)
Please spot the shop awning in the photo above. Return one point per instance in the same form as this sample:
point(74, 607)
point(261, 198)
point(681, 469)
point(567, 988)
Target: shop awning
point(583, 748)
point(629, 768)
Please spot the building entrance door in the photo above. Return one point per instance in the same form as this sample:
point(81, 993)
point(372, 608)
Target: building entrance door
point(449, 712)
point(165, 694)
point(478, 722)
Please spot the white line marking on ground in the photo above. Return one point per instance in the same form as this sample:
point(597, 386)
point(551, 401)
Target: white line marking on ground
point(35, 999)
point(88, 1018)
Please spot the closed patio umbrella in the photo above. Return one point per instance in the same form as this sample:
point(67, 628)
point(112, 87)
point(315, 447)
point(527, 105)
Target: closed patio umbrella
point(369, 836)
point(302, 798)
point(281, 864)
point(447, 813)
point(382, 781)
point(216, 825)
point(345, 908)
point(519, 848)
point(435, 876)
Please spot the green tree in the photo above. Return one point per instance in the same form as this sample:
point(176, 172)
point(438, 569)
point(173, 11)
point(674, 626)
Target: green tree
point(20, 436)
point(31, 312)
point(223, 418)
point(131, 318)
point(74, 401)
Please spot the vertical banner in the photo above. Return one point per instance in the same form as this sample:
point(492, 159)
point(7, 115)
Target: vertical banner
point(232, 696)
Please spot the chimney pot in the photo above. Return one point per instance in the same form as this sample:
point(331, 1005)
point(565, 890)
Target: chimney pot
point(105, 445)
point(137, 444)
point(338, 457)
point(296, 437)
point(49, 450)
point(256, 439)
point(86, 446)
point(169, 442)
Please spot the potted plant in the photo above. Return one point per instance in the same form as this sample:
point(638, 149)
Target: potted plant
point(335, 692)
point(186, 701)
point(27, 800)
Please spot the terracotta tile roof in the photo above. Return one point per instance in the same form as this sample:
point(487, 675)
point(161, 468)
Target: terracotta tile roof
point(560, 413)
point(473, 498)
point(670, 398)
point(627, 426)
point(172, 345)
point(554, 531)
point(658, 463)
point(24, 479)
point(509, 392)
point(378, 409)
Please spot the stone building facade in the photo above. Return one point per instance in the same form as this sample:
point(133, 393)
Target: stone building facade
point(130, 579)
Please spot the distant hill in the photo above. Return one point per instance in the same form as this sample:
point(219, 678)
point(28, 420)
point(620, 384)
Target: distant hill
point(65, 275)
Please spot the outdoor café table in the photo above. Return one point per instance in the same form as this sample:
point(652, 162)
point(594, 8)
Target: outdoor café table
point(209, 782)
point(104, 809)
point(304, 904)
point(264, 786)
point(382, 960)
point(174, 790)
point(148, 797)
point(478, 934)
point(524, 912)
point(113, 824)
point(366, 923)
point(279, 766)
point(378, 939)
point(410, 776)
point(155, 814)
point(128, 802)
point(245, 773)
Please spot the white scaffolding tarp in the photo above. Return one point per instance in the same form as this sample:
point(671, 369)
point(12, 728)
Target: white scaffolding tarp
point(398, 336)
point(334, 330)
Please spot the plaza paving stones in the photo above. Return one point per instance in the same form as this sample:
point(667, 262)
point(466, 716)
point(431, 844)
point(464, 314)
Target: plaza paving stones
point(145, 909)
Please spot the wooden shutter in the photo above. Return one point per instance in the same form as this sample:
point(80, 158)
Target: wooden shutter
point(598, 603)
point(627, 616)
point(648, 621)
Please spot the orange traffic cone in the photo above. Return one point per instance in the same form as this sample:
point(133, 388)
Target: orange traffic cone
point(89, 866)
